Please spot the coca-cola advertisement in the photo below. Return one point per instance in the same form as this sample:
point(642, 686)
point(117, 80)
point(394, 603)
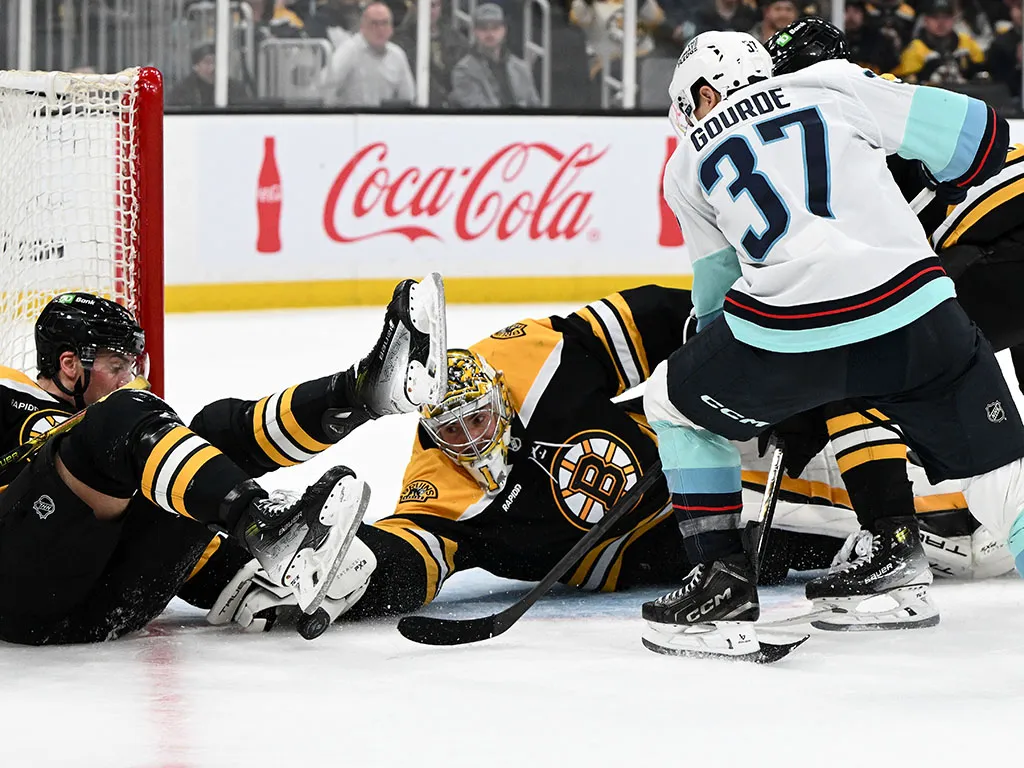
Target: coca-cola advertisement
point(359, 197)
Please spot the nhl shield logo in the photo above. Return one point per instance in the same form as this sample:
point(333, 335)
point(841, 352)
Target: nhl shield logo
point(44, 506)
point(995, 412)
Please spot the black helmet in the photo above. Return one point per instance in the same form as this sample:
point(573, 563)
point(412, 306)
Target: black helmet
point(84, 323)
point(805, 42)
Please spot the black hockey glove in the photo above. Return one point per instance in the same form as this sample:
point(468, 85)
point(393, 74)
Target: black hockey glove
point(804, 436)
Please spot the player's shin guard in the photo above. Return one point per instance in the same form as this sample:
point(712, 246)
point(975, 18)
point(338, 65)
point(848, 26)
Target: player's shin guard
point(408, 366)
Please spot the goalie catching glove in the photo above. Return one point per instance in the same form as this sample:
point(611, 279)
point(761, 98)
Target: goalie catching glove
point(255, 603)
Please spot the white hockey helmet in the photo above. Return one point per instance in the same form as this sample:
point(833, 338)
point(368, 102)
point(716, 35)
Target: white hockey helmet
point(723, 60)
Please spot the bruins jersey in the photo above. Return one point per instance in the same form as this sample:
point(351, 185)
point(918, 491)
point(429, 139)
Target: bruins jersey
point(26, 410)
point(573, 454)
point(989, 211)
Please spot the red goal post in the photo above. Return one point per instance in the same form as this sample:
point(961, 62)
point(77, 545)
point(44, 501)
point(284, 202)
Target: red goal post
point(81, 200)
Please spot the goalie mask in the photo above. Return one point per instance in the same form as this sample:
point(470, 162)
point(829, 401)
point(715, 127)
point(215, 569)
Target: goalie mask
point(472, 425)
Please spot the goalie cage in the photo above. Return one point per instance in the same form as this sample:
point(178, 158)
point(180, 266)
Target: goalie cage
point(81, 203)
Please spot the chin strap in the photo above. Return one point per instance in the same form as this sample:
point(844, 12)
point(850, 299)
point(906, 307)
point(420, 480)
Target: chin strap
point(81, 384)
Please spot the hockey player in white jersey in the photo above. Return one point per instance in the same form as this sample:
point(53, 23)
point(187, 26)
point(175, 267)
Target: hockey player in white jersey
point(809, 290)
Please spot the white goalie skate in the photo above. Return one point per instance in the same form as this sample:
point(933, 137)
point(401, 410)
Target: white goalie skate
point(408, 366)
point(877, 581)
point(301, 544)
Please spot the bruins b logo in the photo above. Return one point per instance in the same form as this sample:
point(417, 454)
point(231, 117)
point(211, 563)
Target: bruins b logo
point(41, 422)
point(590, 473)
point(513, 331)
point(418, 490)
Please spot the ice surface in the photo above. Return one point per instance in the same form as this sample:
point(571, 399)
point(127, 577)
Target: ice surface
point(569, 685)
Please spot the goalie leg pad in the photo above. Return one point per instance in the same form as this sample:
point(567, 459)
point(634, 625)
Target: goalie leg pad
point(255, 603)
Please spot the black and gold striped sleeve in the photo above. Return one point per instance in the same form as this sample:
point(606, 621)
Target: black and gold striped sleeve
point(630, 332)
point(280, 430)
point(990, 211)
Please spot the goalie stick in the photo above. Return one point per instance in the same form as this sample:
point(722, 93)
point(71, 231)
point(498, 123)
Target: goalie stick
point(431, 630)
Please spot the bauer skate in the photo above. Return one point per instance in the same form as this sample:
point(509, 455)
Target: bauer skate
point(712, 616)
point(301, 544)
point(408, 366)
point(878, 580)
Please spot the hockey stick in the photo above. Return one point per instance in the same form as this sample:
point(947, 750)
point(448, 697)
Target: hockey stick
point(33, 444)
point(437, 631)
point(771, 497)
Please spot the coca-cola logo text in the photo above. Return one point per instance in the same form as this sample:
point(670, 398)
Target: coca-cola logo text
point(495, 199)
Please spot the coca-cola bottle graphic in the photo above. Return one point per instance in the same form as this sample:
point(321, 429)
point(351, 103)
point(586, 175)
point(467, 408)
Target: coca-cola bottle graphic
point(669, 234)
point(268, 202)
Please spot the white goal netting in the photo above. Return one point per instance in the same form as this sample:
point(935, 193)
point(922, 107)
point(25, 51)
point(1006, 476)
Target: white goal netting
point(69, 207)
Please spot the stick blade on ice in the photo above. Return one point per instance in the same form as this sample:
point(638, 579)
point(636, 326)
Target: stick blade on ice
point(433, 631)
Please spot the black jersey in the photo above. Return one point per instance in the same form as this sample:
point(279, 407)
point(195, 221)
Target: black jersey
point(574, 452)
point(989, 212)
point(26, 410)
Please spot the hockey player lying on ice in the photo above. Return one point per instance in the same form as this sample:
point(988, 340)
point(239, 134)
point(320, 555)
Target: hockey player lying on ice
point(111, 519)
point(528, 451)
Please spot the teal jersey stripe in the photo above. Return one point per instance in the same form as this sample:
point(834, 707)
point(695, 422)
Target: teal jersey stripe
point(939, 129)
point(703, 481)
point(925, 298)
point(685, 447)
point(713, 276)
point(971, 136)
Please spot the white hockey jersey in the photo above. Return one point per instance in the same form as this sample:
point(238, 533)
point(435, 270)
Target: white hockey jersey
point(794, 224)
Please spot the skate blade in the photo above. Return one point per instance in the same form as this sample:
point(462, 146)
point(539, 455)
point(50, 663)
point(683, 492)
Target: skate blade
point(911, 611)
point(426, 385)
point(301, 560)
point(767, 653)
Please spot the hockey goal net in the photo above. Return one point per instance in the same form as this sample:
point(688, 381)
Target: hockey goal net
point(81, 200)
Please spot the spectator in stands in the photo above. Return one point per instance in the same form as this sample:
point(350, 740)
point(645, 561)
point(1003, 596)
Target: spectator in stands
point(974, 21)
point(447, 47)
point(335, 20)
point(730, 15)
point(601, 21)
point(939, 55)
point(368, 70)
point(1004, 56)
point(894, 18)
point(489, 76)
point(196, 90)
point(869, 46)
point(274, 19)
point(776, 15)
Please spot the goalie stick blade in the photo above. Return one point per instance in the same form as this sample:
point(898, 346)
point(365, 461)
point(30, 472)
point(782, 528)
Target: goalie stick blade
point(428, 630)
point(768, 653)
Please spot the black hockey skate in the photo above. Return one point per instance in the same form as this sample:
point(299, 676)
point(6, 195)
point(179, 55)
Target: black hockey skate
point(302, 543)
point(879, 580)
point(408, 366)
point(712, 615)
